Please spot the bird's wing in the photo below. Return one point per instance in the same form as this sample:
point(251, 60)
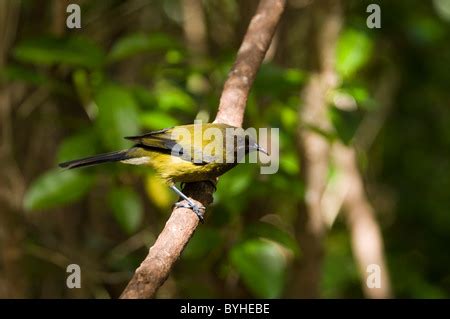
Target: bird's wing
point(157, 139)
point(164, 141)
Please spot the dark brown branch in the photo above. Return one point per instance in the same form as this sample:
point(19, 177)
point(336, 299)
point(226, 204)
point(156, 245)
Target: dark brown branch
point(181, 225)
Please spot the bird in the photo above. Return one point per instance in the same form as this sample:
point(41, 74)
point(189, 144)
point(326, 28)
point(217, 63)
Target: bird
point(182, 154)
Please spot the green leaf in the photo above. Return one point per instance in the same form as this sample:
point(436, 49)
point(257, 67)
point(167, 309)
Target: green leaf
point(127, 208)
point(79, 145)
point(240, 183)
point(20, 73)
point(345, 123)
point(360, 93)
point(171, 97)
point(276, 81)
point(137, 43)
point(353, 51)
point(74, 51)
point(262, 266)
point(235, 184)
point(80, 80)
point(144, 97)
point(288, 117)
point(55, 188)
point(117, 116)
point(157, 120)
point(289, 163)
point(269, 231)
point(174, 56)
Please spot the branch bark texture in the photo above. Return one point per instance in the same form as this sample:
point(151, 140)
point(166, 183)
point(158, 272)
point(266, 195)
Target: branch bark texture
point(180, 227)
point(250, 56)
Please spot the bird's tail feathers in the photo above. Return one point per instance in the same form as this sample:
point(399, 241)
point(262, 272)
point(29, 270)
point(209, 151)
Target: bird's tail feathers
point(98, 159)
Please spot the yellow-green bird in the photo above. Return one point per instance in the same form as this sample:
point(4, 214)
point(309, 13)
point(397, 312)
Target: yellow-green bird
point(186, 153)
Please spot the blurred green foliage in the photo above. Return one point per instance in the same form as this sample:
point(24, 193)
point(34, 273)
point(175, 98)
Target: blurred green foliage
point(353, 51)
point(72, 51)
point(261, 265)
point(56, 188)
point(127, 208)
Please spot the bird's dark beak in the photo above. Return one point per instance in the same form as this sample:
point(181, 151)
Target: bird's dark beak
point(260, 149)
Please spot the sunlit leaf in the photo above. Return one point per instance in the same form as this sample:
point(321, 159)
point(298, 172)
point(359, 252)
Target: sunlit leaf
point(158, 191)
point(117, 116)
point(359, 93)
point(127, 208)
point(261, 265)
point(353, 51)
point(157, 120)
point(174, 56)
point(55, 188)
point(74, 51)
point(171, 97)
point(289, 117)
point(289, 163)
point(294, 76)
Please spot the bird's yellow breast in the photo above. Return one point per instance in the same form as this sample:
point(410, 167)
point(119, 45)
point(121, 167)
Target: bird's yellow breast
point(174, 169)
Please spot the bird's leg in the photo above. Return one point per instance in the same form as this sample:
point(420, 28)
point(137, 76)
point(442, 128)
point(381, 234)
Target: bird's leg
point(197, 210)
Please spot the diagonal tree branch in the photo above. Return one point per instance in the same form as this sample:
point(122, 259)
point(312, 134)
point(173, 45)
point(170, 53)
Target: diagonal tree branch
point(250, 56)
point(367, 240)
point(155, 269)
